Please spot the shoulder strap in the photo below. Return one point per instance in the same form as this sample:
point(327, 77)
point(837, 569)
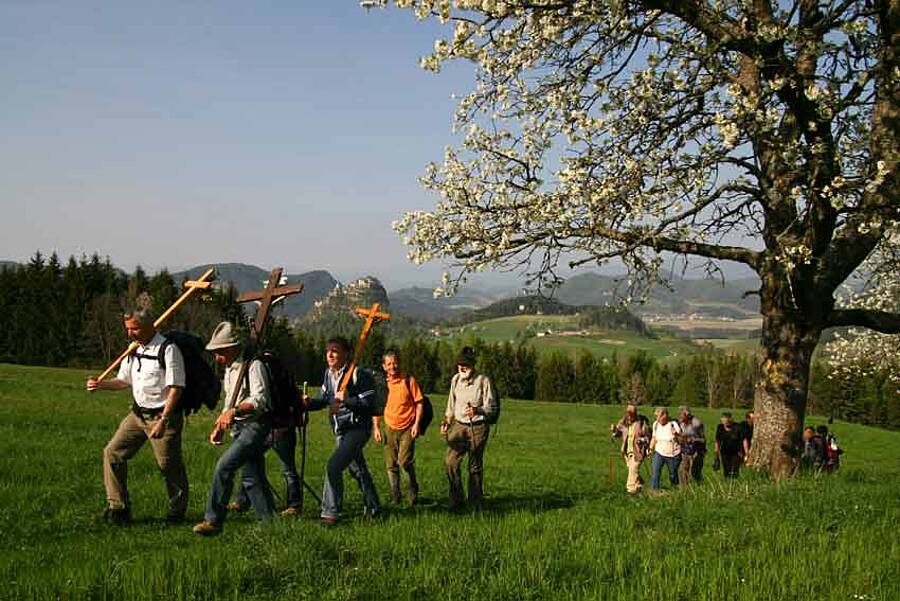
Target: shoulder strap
point(162, 351)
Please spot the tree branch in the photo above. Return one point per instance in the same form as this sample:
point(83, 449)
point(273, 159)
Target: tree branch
point(880, 321)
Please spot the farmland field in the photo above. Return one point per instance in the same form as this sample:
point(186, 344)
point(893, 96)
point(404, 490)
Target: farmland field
point(548, 330)
point(557, 523)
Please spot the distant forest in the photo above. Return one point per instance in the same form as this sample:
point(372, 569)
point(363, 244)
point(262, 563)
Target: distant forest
point(70, 315)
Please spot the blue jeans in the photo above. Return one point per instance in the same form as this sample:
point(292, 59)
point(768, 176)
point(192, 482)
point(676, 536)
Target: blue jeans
point(656, 465)
point(248, 450)
point(348, 454)
point(284, 442)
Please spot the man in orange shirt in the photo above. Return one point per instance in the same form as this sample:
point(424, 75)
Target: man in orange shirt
point(402, 413)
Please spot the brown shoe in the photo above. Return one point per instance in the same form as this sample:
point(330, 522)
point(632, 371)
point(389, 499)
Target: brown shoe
point(329, 521)
point(290, 512)
point(205, 528)
point(233, 506)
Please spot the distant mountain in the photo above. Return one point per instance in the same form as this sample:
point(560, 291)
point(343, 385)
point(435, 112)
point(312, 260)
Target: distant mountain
point(704, 297)
point(419, 302)
point(316, 284)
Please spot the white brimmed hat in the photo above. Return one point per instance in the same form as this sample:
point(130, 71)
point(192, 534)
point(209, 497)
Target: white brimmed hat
point(224, 336)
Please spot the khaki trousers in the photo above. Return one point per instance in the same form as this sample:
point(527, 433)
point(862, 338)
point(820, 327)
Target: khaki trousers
point(634, 483)
point(462, 439)
point(131, 435)
point(399, 450)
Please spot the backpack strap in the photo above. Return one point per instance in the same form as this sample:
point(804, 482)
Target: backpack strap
point(162, 352)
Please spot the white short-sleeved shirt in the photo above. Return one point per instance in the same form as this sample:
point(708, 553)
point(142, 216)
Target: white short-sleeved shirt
point(666, 445)
point(149, 382)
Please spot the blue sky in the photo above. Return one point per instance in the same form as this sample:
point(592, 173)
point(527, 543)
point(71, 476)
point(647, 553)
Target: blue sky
point(172, 134)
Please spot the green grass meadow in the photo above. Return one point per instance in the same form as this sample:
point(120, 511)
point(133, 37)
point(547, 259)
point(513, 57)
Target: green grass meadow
point(601, 343)
point(557, 522)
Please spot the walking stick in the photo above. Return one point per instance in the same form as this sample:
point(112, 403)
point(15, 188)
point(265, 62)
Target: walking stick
point(303, 420)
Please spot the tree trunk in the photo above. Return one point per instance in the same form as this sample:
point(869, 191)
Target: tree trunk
point(789, 337)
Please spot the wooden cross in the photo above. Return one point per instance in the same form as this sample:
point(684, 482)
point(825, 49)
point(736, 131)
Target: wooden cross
point(372, 315)
point(204, 282)
point(272, 293)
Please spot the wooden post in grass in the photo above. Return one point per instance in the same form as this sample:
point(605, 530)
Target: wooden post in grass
point(373, 316)
point(204, 282)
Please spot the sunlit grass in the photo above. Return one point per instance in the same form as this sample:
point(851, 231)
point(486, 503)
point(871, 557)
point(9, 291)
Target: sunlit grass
point(555, 526)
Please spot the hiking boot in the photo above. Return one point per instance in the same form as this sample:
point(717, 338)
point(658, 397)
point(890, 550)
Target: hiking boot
point(329, 521)
point(290, 512)
point(117, 517)
point(206, 528)
point(412, 493)
point(394, 480)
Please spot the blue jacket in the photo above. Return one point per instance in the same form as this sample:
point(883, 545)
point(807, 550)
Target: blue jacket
point(357, 408)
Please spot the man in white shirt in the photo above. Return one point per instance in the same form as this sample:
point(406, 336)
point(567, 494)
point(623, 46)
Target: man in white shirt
point(156, 383)
point(248, 416)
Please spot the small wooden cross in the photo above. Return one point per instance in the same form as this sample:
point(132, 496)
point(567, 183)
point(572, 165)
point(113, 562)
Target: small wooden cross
point(372, 315)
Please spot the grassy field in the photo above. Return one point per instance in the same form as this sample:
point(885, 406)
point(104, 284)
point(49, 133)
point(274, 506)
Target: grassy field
point(602, 343)
point(555, 525)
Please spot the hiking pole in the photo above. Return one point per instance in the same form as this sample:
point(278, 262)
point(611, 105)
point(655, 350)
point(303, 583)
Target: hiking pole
point(304, 419)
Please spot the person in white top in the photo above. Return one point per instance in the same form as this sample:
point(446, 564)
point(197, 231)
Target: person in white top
point(156, 386)
point(665, 448)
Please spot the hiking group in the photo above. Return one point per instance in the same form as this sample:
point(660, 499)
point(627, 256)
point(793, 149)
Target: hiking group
point(263, 409)
point(680, 446)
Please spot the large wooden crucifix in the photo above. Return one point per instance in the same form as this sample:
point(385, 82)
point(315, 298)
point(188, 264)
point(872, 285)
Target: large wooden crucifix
point(202, 283)
point(373, 316)
point(273, 292)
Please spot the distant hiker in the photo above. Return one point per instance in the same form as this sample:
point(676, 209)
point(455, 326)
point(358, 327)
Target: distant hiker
point(351, 422)
point(747, 434)
point(155, 416)
point(665, 448)
point(402, 413)
point(693, 446)
point(832, 451)
point(472, 406)
point(248, 418)
point(634, 429)
point(813, 456)
point(729, 446)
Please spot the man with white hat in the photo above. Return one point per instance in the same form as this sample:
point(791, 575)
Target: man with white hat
point(247, 415)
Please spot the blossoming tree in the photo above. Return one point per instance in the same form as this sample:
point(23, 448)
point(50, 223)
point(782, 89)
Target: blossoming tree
point(760, 132)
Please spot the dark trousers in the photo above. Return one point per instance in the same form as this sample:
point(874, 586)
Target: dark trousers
point(284, 442)
point(731, 465)
point(348, 455)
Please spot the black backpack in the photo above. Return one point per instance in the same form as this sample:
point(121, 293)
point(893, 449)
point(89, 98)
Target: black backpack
point(201, 386)
point(427, 411)
point(283, 388)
